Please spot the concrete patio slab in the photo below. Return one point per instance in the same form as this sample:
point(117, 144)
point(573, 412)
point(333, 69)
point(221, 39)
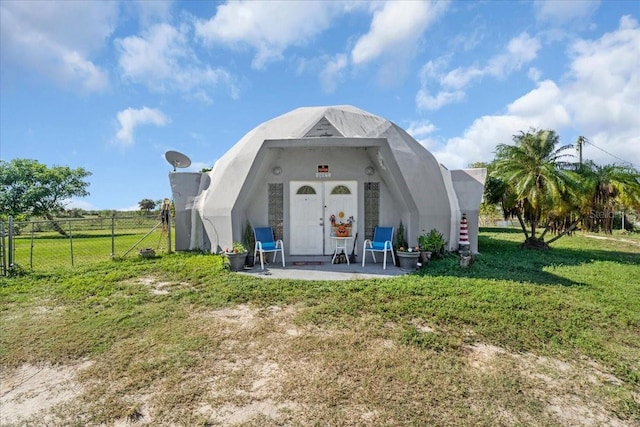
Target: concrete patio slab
point(320, 268)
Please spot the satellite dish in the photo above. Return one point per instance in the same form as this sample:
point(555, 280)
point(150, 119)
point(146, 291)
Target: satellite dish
point(177, 160)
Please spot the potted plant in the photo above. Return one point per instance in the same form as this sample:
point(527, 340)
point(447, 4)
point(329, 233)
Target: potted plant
point(236, 256)
point(433, 244)
point(147, 253)
point(408, 257)
point(400, 242)
point(250, 243)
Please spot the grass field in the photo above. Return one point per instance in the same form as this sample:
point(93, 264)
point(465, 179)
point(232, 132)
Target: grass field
point(522, 338)
point(87, 241)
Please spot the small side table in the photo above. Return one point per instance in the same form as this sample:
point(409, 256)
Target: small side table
point(340, 243)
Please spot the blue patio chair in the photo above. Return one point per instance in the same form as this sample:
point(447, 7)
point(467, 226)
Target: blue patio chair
point(266, 243)
point(381, 242)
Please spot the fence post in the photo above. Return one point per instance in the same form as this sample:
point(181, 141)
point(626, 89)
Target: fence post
point(3, 246)
point(113, 236)
point(10, 241)
point(169, 224)
point(31, 249)
point(71, 243)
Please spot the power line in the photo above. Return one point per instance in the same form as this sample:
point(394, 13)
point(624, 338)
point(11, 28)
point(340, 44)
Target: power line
point(612, 155)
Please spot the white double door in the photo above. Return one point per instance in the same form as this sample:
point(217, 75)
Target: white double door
point(312, 204)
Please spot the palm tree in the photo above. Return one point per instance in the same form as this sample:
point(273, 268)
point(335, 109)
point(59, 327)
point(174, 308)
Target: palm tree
point(535, 180)
point(609, 188)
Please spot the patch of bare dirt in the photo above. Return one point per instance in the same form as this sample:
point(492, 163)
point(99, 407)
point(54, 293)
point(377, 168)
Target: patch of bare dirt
point(241, 316)
point(245, 374)
point(157, 287)
point(483, 356)
point(421, 326)
point(616, 239)
point(263, 367)
point(37, 311)
point(562, 386)
point(31, 391)
point(228, 415)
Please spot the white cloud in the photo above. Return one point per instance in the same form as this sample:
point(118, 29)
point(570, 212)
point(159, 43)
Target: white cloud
point(478, 142)
point(394, 34)
point(426, 101)
point(461, 77)
point(599, 99)
point(132, 208)
point(91, 77)
point(333, 72)
point(162, 60)
point(154, 55)
point(57, 39)
point(534, 74)
point(396, 27)
point(520, 51)
point(421, 128)
point(561, 13)
point(269, 27)
point(429, 73)
point(421, 131)
point(131, 118)
point(79, 204)
point(606, 83)
point(541, 108)
point(197, 167)
point(153, 11)
point(603, 92)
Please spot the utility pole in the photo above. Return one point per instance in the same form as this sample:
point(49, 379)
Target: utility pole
point(581, 140)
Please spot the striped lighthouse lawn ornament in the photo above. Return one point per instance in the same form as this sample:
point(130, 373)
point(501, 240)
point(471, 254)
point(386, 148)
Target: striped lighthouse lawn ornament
point(463, 243)
point(464, 248)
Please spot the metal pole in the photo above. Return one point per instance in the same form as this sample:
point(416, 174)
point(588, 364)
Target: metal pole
point(169, 233)
point(31, 249)
point(10, 241)
point(113, 236)
point(3, 242)
point(144, 237)
point(581, 140)
point(71, 243)
point(580, 150)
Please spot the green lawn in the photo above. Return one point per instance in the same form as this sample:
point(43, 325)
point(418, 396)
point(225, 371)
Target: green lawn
point(522, 338)
point(47, 250)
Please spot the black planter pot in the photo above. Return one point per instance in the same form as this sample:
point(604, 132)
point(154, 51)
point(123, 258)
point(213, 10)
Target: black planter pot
point(425, 257)
point(250, 261)
point(408, 260)
point(236, 261)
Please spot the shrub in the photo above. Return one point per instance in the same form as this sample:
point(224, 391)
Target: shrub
point(249, 237)
point(237, 248)
point(433, 242)
point(401, 240)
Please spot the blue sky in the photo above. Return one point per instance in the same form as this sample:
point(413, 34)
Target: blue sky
point(111, 86)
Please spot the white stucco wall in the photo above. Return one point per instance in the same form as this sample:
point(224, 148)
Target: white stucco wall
point(429, 204)
point(469, 188)
point(186, 188)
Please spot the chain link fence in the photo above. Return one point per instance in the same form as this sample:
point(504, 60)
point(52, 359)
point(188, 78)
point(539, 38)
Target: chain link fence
point(40, 245)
